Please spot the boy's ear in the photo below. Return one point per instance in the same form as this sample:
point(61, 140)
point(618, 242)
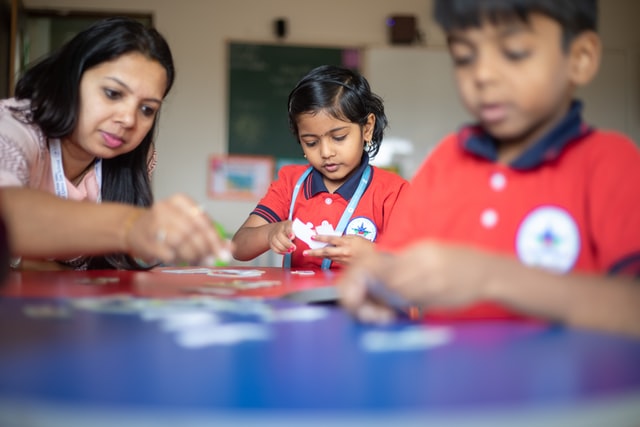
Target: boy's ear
point(585, 55)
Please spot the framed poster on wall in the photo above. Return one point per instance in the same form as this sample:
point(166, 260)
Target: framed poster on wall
point(239, 177)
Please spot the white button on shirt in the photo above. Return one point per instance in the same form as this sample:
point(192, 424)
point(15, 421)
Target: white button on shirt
point(498, 181)
point(489, 218)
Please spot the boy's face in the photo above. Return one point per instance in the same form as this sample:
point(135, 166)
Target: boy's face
point(513, 77)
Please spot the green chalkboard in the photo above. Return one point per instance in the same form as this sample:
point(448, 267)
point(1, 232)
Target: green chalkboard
point(260, 79)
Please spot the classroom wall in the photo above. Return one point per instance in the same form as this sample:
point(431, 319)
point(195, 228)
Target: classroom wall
point(193, 121)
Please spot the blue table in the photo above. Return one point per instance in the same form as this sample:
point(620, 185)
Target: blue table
point(120, 360)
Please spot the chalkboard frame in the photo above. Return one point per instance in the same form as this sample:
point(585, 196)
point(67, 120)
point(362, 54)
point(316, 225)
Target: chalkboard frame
point(260, 77)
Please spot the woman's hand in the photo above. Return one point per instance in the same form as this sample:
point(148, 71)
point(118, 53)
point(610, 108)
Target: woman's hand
point(175, 230)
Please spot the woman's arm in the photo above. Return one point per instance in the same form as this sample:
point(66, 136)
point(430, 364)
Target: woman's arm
point(43, 225)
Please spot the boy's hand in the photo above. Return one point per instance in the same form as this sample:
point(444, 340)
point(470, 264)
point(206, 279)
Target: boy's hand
point(342, 249)
point(354, 294)
point(431, 273)
point(281, 237)
point(425, 274)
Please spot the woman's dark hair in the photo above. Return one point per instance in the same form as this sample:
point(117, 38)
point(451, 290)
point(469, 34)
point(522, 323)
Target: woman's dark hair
point(53, 85)
point(574, 16)
point(342, 93)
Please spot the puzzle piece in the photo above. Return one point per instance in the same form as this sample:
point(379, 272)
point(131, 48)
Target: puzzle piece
point(305, 232)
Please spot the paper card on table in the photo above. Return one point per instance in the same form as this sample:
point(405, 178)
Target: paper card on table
point(243, 284)
point(189, 271)
point(185, 320)
point(299, 314)
point(47, 311)
point(255, 284)
point(210, 290)
point(230, 272)
point(407, 339)
point(223, 334)
point(303, 272)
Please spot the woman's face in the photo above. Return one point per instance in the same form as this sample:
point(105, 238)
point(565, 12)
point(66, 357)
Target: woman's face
point(119, 101)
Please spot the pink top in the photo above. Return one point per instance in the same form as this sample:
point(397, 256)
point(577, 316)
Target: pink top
point(25, 159)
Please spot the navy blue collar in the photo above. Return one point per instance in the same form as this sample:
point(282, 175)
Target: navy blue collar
point(474, 140)
point(346, 190)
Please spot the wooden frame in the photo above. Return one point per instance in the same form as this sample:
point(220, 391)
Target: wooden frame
point(239, 177)
point(11, 14)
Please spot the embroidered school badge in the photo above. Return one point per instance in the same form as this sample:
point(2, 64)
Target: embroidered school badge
point(362, 226)
point(548, 238)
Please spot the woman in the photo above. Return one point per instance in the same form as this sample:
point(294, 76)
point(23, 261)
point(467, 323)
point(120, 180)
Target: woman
point(82, 126)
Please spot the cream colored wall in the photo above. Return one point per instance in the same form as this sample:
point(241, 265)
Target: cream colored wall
point(620, 30)
point(193, 121)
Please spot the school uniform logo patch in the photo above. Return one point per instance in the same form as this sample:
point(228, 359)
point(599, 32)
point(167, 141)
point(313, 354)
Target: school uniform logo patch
point(548, 238)
point(364, 227)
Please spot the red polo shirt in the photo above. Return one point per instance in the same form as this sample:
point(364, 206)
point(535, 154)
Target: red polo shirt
point(315, 204)
point(571, 202)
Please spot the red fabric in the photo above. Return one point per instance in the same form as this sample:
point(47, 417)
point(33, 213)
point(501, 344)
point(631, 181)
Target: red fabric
point(376, 204)
point(595, 182)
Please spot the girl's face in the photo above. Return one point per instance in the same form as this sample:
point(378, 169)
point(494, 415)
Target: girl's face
point(119, 101)
point(332, 146)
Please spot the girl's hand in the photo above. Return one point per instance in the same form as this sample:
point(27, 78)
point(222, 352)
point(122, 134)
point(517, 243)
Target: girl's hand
point(342, 249)
point(281, 237)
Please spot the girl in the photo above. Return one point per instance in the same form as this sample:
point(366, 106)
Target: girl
point(82, 126)
point(328, 212)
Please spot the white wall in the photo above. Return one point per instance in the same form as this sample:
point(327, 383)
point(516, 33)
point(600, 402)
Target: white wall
point(193, 121)
point(621, 36)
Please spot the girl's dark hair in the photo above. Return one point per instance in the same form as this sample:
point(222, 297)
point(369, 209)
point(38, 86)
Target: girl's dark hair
point(342, 93)
point(574, 16)
point(53, 85)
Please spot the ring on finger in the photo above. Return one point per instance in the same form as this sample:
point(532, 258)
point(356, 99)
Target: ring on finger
point(161, 236)
point(196, 210)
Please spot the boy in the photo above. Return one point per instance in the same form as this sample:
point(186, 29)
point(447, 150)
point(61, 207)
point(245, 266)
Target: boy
point(530, 210)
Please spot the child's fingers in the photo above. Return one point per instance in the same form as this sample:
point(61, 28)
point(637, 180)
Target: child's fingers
point(341, 255)
point(282, 244)
point(327, 238)
point(326, 252)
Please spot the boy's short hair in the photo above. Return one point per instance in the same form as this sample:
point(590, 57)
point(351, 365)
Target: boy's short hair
point(574, 16)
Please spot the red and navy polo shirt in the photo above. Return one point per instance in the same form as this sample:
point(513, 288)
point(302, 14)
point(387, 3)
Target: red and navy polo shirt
point(571, 202)
point(315, 205)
